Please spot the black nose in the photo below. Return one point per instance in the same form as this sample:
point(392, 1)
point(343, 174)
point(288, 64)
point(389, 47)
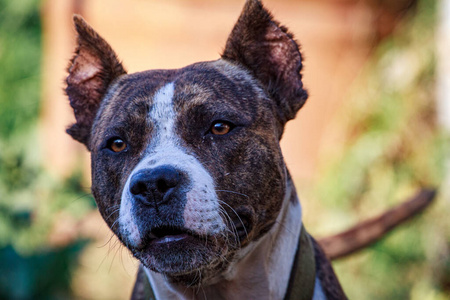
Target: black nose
point(154, 186)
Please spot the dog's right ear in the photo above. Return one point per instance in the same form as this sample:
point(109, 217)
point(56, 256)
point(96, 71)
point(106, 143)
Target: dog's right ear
point(268, 50)
point(92, 69)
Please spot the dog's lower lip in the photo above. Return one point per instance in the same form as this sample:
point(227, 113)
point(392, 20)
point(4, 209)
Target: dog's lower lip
point(170, 238)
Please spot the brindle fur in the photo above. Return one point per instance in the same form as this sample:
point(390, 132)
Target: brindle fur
point(238, 99)
point(256, 85)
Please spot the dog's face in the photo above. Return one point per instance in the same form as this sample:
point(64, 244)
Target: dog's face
point(186, 164)
point(174, 156)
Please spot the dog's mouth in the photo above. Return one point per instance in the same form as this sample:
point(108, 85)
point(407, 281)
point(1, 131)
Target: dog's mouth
point(177, 251)
point(167, 234)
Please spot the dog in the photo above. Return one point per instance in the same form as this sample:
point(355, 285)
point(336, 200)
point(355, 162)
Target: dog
point(187, 170)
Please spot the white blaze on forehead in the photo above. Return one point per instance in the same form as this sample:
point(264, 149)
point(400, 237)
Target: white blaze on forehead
point(162, 113)
point(201, 212)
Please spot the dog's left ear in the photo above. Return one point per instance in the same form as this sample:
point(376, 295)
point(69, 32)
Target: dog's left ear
point(268, 50)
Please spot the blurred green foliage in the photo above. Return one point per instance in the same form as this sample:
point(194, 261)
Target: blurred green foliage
point(29, 197)
point(20, 57)
point(392, 147)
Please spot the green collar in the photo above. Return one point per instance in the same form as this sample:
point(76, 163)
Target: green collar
point(303, 272)
point(301, 282)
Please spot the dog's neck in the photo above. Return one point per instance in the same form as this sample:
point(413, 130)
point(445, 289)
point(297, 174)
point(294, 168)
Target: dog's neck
point(262, 269)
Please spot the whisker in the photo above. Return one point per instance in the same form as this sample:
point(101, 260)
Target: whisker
point(114, 257)
point(245, 229)
point(233, 230)
point(108, 252)
point(107, 242)
point(116, 210)
point(114, 223)
point(113, 207)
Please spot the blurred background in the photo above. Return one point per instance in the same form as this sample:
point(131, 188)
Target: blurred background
point(374, 130)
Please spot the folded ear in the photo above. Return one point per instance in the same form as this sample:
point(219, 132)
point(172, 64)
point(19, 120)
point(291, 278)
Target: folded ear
point(268, 50)
point(91, 70)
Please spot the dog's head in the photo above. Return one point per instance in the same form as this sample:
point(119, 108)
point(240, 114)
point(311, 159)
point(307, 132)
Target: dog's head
point(186, 164)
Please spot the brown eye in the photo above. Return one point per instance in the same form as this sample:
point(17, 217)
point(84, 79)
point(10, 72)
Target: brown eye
point(220, 128)
point(117, 145)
